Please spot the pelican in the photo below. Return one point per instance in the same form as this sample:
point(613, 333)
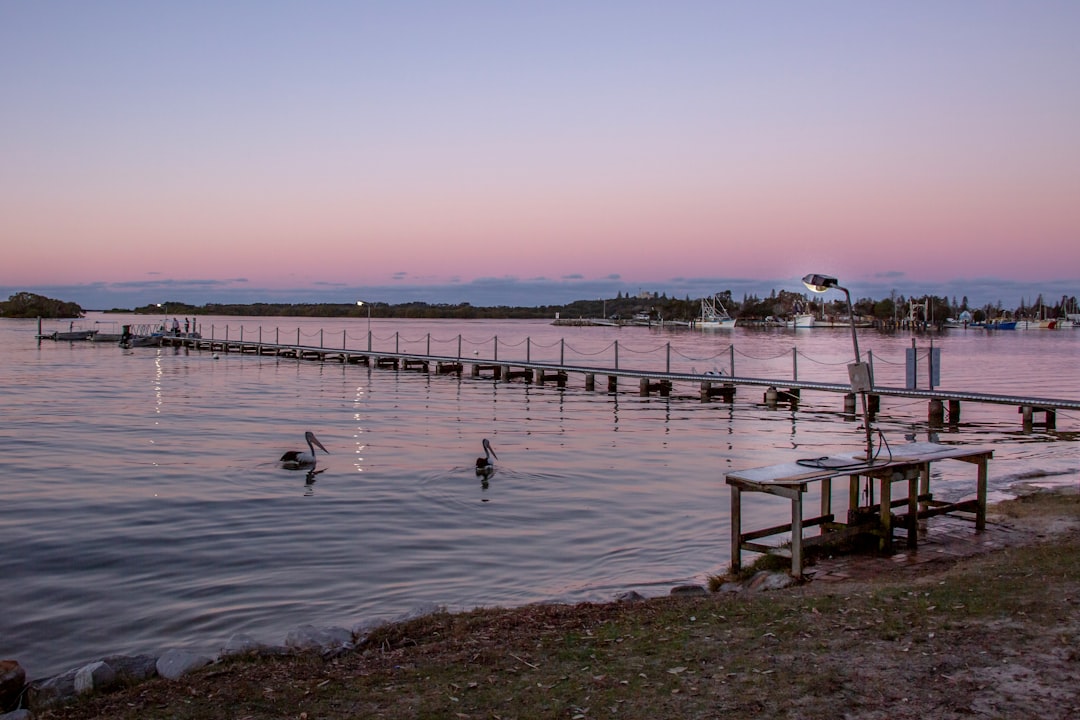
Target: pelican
point(485, 464)
point(296, 459)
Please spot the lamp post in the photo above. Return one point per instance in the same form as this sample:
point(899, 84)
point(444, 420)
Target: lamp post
point(859, 372)
point(361, 303)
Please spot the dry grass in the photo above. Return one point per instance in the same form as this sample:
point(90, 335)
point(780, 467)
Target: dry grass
point(993, 637)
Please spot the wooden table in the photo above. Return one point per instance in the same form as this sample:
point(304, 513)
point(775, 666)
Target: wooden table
point(910, 463)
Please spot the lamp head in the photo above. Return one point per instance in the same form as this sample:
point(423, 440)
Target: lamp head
point(820, 283)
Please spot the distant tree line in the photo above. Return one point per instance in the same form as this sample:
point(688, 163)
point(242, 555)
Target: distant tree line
point(929, 309)
point(29, 305)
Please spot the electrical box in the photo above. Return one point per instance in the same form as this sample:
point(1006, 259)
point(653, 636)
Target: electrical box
point(859, 375)
point(935, 367)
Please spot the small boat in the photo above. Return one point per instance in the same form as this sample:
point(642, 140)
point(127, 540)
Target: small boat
point(141, 341)
point(714, 316)
point(130, 339)
point(112, 336)
point(72, 335)
point(800, 320)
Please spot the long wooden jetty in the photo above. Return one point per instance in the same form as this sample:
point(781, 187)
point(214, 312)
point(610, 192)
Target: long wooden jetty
point(943, 407)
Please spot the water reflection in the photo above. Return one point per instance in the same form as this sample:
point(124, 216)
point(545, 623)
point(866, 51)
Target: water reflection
point(309, 481)
point(485, 475)
point(595, 493)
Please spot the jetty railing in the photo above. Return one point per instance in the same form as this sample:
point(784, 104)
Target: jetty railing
point(554, 361)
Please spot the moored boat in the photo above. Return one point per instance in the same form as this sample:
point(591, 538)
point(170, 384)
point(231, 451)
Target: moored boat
point(714, 316)
point(800, 320)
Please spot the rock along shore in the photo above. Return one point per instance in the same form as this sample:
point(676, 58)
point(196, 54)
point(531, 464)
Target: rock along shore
point(19, 699)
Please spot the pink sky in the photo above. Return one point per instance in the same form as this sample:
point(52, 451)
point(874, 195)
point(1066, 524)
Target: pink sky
point(369, 148)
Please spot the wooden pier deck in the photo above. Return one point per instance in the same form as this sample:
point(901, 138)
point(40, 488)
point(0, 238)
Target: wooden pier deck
point(943, 407)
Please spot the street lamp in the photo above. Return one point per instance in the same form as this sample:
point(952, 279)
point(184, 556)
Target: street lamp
point(858, 372)
point(361, 303)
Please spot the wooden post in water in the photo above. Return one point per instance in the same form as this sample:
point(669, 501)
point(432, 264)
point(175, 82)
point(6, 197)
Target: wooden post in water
point(590, 381)
point(613, 383)
point(459, 346)
point(795, 364)
point(731, 363)
point(954, 411)
point(936, 412)
point(616, 359)
point(562, 351)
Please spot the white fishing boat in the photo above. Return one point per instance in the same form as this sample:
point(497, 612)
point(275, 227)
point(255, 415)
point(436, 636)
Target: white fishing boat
point(714, 316)
point(800, 320)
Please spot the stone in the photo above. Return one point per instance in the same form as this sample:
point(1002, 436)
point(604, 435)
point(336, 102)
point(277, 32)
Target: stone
point(174, 664)
point(241, 644)
point(309, 637)
point(766, 580)
point(629, 596)
point(419, 611)
point(95, 676)
point(132, 668)
point(12, 682)
point(688, 591)
point(21, 714)
point(51, 690)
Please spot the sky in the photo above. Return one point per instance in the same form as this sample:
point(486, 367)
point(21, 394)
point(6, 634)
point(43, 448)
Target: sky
point(534, 153)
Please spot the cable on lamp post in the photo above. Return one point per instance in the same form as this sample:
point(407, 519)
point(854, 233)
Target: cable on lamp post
point(361, 303)
point(859, 372)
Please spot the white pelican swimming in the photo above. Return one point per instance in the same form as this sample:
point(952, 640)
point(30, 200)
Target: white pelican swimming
point(486, 463)
point(296, 459)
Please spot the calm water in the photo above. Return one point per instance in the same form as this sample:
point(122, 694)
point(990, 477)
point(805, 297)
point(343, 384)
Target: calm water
point(143, 508)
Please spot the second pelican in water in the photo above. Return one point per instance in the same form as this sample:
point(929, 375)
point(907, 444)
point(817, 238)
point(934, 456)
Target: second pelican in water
point(486, 463)
point(296, 459)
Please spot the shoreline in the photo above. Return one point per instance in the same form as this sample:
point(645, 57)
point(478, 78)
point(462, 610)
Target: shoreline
point(858, 571)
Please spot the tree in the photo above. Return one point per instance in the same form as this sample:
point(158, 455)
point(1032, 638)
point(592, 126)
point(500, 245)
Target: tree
point(28, 305)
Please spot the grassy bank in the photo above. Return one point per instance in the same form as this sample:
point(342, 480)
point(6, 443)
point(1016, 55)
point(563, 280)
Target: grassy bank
point(993, 636)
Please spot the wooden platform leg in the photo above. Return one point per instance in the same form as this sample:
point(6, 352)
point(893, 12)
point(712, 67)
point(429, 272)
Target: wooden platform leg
point(885, 514)
point(826, 497)
point(913, 510)
point(980, 508)
point(796, 536)
point(736, 529)
point(853, 499)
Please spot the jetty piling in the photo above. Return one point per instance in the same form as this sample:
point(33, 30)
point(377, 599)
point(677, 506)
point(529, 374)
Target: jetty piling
point(943, 406)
